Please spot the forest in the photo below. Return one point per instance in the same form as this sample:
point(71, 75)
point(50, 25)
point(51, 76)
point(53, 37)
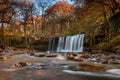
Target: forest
point(59, 39)
point(31, 23)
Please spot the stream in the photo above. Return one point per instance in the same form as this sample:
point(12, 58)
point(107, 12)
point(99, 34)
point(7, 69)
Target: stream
point(46, 68)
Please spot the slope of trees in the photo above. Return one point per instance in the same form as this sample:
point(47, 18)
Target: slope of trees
point(59, 17)
point(103, 18)
point(25, 22)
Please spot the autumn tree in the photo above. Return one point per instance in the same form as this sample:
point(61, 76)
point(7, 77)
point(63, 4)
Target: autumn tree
point(61, 8)
point(7, 10)
point(109, 7)
point(42, 6)
point(34, 23)
point(59, 14)
point(95, 18)
point(24, 9)
point(113, 5)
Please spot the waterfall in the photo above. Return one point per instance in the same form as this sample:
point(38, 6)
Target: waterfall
point(51, 46)
point(67, 44)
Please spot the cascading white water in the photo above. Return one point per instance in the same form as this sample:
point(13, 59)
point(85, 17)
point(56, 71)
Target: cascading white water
point(68, 44)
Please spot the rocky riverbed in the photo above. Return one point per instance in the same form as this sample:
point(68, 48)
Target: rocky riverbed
point(42, 66)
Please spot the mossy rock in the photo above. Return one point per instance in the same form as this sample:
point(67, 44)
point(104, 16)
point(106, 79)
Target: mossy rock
point(93, 67)
point(41, 55)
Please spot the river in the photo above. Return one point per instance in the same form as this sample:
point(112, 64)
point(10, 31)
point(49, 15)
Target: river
point(52, 69)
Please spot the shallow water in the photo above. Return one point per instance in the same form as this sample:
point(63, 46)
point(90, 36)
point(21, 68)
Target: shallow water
point(51, 70)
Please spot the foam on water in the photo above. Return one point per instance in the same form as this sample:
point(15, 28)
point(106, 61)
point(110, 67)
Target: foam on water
point(60, 57)
point(114, 71)
point(92, 74)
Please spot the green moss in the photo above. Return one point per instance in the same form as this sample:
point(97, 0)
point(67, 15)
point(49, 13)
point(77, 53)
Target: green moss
point(101, 44)
point(116, 39)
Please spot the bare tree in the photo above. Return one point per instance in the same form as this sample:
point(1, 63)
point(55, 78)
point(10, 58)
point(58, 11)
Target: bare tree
point(43, 5)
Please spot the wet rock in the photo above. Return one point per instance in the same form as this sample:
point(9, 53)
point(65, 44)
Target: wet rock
point(106, 62)
point(79, 59)
point(15, 65)
point(32, 54)
point(3, 57)
point(110, 61)
point(94, 51)
point(1, 54)
point(34, 66)
point(70, 57)
point(1, 50)
point(72, 54)
point(40, 55)
point(93, 67)
point(72, 67)
point(21, 64)
point(115, 62)
point(51, 55)
point(24, 64)
point(85, 56)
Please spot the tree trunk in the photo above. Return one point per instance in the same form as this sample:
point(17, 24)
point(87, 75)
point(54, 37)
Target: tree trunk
point(2, 36)
point(25, 34)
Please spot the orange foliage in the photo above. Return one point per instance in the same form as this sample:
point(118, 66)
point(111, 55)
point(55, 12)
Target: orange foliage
point(61, 8)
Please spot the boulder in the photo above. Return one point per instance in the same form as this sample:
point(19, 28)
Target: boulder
point(79, 59)
point(85, 56)
point(32, 54)
point(73, 67)
point(70, 57)
point(1, 54)
point(1, 50)
point(21, 64)
point(40, 55)
point(111, 62)
point(3, 57)
point(51, 55)
point(93, 67)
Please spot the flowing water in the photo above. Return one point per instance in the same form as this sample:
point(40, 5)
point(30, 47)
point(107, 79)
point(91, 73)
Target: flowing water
point(67, 44)
point(52, 69)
